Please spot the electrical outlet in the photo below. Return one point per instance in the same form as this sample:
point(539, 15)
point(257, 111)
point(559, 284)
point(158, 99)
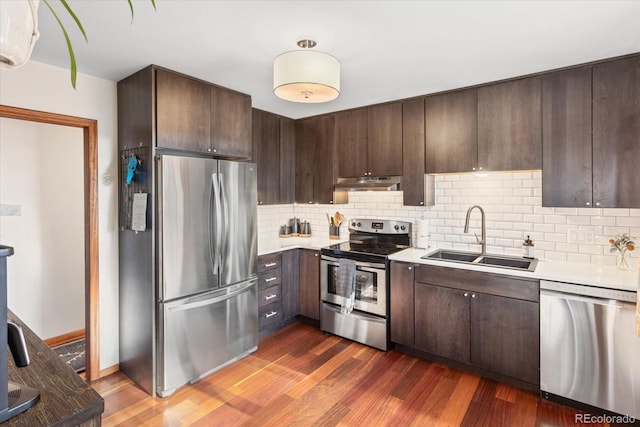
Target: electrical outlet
point(579, 236)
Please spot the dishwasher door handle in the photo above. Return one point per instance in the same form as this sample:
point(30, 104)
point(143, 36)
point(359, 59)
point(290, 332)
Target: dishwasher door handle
point(589, 300)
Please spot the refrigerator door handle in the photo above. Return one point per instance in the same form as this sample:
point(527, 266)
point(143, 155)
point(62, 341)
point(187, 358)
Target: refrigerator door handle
point(209, 299)
point(215, 217)
point(225, 217)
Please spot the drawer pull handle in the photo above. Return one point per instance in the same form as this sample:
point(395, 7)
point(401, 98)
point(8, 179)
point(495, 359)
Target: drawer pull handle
point(271, 264)
point(272, 296)
point(270, 279)
point(273, 313)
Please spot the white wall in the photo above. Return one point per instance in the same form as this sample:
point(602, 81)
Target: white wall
point(42, 175)
point(513, 205)
point(43, 87)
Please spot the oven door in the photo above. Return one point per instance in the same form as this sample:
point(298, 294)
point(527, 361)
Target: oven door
point(371, 286)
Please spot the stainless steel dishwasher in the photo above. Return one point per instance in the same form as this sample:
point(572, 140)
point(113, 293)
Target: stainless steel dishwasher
point(589, 350)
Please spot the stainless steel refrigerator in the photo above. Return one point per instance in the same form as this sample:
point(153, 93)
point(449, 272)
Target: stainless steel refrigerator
point(205, 254)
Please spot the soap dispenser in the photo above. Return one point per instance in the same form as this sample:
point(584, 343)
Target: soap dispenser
point(528, 248)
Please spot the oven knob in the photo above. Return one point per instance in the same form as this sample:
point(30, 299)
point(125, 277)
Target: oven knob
point(359, 224)
point(402, 227)
point(353, 224)
point(396, 227)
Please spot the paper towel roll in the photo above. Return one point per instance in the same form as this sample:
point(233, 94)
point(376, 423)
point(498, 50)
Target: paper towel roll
point(422, 234)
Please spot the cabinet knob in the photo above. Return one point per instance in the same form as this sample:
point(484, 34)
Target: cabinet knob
point(422, 203)
point(588, 203)
point(597, 203)
point(315, 254)
point(409, 268)
point(473, 295)
point(466, 294)
point(209, 150)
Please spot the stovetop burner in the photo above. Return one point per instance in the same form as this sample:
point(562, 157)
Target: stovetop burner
point(372, 240)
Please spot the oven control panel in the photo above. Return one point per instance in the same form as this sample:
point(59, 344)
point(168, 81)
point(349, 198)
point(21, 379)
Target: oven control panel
point(383, 226)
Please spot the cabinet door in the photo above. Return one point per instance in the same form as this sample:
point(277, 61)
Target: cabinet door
point(616, 133)
point(323, 158)
point(505, 336)
point(401, 317)
point(451, 131)
point(305, 140)
point(290, 284)
point(287, 161)
point(183, 113)
point(310, 283)
point(413, 153)
point(266, 154)
point(385, 139)
point(509, 125)
point(442, 321)
point(351, 143)
point(566, 138)
point(230, 123)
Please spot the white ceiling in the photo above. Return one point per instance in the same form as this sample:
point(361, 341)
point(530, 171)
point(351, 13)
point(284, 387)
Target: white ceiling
point(388, 49)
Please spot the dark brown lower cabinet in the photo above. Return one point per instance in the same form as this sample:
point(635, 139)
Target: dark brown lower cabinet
point(310, 283)
point(401, 303)
point(442, 322)
point(505, 336)
point(278, 299)
point(487, 322)
point(290, 279)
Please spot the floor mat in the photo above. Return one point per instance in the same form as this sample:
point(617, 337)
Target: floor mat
point(73, 354)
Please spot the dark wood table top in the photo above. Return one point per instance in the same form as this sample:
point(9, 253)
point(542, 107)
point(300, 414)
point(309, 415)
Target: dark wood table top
point(65, 398)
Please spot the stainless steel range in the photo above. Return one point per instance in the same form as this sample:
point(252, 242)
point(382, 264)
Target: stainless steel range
point(370, 243)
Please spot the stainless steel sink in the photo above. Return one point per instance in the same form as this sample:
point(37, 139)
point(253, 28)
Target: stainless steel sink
point(453, 256)
point(500, 261)
point(509, 262)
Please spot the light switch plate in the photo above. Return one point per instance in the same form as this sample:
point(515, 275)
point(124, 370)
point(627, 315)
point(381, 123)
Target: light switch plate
point(579, 235)
point(10, 210)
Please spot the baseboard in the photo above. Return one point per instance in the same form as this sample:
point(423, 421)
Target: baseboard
point(108, 371)
point(65, 338)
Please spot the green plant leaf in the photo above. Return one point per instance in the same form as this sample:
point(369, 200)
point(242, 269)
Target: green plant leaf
point(131, 7)
point(72, 56)
point(153, 2)
point(75, 18)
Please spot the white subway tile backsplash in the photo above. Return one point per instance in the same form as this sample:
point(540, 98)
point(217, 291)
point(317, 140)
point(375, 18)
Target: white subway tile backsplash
point(513, 205)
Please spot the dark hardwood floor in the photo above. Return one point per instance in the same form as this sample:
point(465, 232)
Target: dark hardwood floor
point(300, 377)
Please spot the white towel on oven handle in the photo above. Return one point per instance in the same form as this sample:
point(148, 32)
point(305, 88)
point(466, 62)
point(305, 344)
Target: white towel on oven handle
point(346, 284)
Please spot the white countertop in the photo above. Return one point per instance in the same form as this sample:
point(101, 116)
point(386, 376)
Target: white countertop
point(579, 273)
point(278, 244)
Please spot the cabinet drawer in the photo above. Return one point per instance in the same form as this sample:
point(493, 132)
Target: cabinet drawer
point(270, 295)
point(270, 315)
point(477, 281)
point(269, 278)
point(269, 262)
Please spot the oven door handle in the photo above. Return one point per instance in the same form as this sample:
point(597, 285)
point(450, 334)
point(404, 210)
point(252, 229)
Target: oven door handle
point(356, 314)
point(336, 262)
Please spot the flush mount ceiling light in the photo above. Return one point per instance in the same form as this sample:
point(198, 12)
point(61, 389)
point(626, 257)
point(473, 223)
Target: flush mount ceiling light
point(306, 75)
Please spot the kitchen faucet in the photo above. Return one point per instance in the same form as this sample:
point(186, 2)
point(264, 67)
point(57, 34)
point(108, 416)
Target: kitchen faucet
point(482, 241)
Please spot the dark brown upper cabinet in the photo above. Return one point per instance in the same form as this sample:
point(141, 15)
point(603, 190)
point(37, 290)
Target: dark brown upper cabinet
point(385, 139)
point(369, 141)
point(351, 142)
point(451, 128)
point(193, 115)
point(183, 112)
point(509, 125)
point(417, 188)
point(274, 155)
point(266, 155)
point(566, 138)
point(616, 133)
point(315, 153)
point(287, 160)
point(230, 123)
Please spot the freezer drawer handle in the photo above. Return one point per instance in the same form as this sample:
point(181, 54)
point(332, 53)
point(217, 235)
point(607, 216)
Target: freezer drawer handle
point(270, 279)
point(273, 313)
point(271, 264)
point(272, 296)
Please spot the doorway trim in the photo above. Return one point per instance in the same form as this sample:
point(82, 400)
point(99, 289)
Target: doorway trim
point(91, 303)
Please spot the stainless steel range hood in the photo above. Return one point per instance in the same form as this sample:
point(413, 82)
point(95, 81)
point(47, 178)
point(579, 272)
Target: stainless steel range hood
point(369, 183)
